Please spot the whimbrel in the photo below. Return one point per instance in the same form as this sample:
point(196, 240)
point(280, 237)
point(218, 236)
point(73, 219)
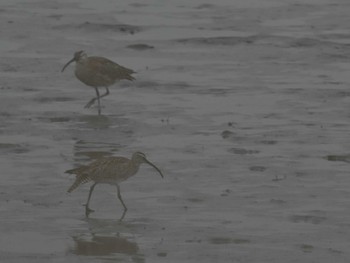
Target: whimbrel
point(108, 170)
point(98, 72)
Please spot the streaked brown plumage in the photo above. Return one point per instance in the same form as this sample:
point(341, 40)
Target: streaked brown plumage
point(98, 72)
point(108, 170)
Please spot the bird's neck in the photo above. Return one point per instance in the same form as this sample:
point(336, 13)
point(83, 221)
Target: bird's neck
point(136, 165)
point(132, 168)
point(82, 59)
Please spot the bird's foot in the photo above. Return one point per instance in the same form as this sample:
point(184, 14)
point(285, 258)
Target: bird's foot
point(88, 210)
point(90, 103)
point(123, 215)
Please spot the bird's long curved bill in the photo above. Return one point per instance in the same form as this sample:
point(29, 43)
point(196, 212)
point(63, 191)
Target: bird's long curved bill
point(70, 61)
point(155, 167)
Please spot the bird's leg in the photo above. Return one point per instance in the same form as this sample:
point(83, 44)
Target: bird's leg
point(98, 101)
point(106, 94)
point(87, 209)
point(92, 101)
point(121, 200)
point(123, 215)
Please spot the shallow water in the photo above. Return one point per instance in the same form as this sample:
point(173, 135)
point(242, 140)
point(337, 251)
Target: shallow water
point(242, 104)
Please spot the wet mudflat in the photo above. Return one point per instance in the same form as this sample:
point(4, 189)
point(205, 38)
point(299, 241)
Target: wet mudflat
point(242, 104)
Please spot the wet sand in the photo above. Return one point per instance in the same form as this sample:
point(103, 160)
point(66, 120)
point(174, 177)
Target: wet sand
point(244, 105)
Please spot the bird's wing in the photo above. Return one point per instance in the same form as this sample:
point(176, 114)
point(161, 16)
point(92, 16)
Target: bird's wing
point(105, 168)
point(107, 67)
point(108, 167)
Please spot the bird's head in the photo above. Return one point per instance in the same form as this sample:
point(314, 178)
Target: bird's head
point(140, 157)
point(79, 55)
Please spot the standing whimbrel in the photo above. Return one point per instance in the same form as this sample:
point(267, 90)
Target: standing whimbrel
point(98, 72)
point(108, 170)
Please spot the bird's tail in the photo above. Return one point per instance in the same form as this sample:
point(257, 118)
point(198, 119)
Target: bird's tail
point(131, 78)
point(74, 185)
point(80, 179)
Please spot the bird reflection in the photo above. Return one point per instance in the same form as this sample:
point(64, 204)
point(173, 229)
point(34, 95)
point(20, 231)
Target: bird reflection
point(98, 245)
point(104, 238)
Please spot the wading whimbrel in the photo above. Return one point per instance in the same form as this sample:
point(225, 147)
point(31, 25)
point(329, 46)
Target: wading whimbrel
point(108, 170)
point(98, 72)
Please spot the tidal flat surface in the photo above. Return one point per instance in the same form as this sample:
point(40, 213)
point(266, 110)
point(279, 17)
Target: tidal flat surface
point(243, 104)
